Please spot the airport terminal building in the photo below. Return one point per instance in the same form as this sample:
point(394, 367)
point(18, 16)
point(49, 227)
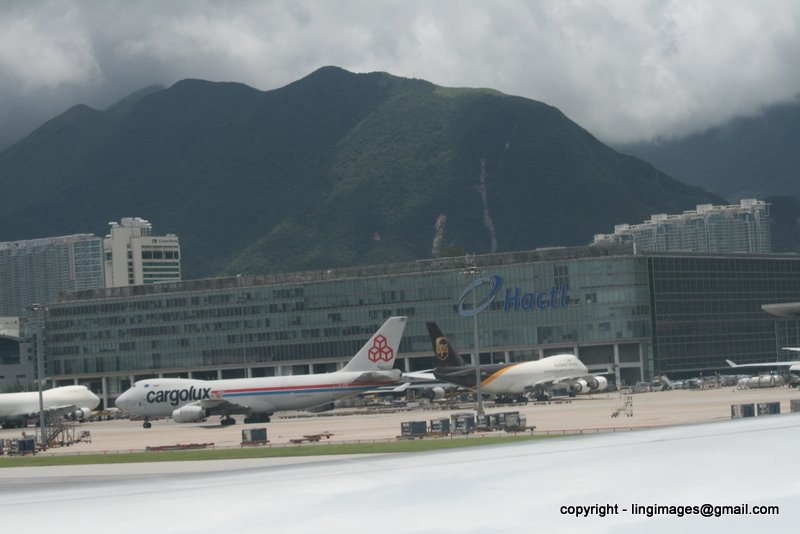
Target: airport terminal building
point(636, 315)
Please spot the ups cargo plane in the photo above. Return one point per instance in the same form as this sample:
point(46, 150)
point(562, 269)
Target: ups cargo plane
point(537, 378)
point(187, 400)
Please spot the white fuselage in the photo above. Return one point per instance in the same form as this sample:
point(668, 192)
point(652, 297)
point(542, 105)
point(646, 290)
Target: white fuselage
point(159, 397)
point(18, 405)
point(516, 379)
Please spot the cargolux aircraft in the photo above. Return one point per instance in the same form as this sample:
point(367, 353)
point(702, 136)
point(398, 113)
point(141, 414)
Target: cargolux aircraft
point(75, 402)
point(515, 380)
point(187, 400)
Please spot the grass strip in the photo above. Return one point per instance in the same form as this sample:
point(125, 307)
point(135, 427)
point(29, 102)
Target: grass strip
point(321, 449)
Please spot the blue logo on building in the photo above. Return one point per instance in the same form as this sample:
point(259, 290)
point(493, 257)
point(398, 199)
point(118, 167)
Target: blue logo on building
point(556, 297)
point(515, 298)
point(497, 283)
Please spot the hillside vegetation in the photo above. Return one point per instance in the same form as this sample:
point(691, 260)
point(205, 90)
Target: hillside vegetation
point(335, 169)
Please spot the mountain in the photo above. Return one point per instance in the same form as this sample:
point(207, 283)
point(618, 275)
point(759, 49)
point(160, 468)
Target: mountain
point(334, 169)
point(748, 157)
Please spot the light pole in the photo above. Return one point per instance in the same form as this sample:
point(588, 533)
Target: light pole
point(243, 336)
point(36, 308)
point(471, 272)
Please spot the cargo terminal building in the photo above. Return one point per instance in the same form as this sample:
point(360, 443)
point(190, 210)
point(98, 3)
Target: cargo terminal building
point(632, 315)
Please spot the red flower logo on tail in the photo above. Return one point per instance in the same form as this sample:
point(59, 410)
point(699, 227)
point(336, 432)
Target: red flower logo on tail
point(380, 350)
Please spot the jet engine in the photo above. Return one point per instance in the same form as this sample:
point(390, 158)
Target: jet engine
point(189, 414)
point(434, 393)
point(79, 414)
point(579, 386)
point(598, 383)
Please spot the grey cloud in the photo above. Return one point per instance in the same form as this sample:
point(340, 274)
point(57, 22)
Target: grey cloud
point(625, 70)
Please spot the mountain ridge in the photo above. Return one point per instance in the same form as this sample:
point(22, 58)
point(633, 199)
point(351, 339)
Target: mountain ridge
point(333, 169)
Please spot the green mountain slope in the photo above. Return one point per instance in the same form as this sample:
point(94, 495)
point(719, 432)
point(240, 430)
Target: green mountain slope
point(746, 157)
point(335, 169)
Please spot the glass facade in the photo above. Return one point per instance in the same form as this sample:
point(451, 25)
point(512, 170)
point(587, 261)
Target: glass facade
point(632, 315)
point(550, 301)
point(9, 350)
point(707, 309)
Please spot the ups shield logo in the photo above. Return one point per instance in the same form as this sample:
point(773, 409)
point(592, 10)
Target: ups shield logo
point(442, 348)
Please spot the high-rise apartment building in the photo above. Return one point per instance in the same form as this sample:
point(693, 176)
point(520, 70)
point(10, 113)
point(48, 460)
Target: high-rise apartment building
point(133, 256)
point(40, 270)
point(742, 227)
point(21, 341)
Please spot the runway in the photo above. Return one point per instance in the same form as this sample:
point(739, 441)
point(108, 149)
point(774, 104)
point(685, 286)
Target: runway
point(521, 487)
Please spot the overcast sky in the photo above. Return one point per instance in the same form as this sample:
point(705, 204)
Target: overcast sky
point(624, 69)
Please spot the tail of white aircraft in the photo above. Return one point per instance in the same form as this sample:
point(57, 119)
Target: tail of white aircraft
point(380, 351)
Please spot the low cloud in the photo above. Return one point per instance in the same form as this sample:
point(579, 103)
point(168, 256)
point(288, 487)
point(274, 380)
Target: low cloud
point(625, 69)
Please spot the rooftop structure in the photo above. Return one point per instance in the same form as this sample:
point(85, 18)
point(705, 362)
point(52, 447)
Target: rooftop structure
point(738, 228)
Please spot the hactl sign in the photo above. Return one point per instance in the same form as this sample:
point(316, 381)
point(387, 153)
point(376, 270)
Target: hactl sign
point(515, 298)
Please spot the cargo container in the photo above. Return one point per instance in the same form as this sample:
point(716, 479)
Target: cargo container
point(413, 428)
point(483, 422)
point(254, 436)
point(440, 426)
point(769, 408)
point(794, 405)
point(463, 423)
point(23, 446)
point(515, 422)
point(742, 410)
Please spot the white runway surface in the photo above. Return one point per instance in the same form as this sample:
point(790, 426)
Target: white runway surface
point(512, 488)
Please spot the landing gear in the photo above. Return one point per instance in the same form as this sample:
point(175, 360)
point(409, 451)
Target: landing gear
point(147, 424)
point(257, 418)
point(541, 396)
point(20, 423)
point(227, 421)
point(511, 399)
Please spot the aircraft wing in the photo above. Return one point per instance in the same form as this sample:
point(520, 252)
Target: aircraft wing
point(400, 388)
point(61, 410)
point(52, 411)
point(541, 383)
point(378, 377)
point(394, 382)
point(404, 386)
point(566, 382)
point(420, 376)
point(763, 365)
point(550, 382)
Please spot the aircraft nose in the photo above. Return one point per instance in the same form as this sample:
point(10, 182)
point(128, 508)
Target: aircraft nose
point(123, 402)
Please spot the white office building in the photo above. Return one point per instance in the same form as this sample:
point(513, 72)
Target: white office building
point(133, 256)
point(742, 228)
